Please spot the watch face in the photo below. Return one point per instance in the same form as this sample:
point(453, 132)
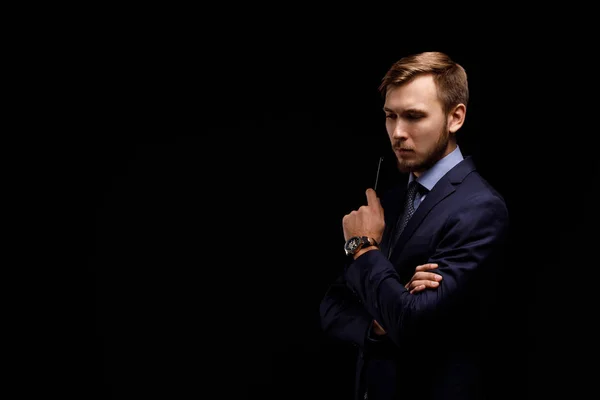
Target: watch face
point(352, 244)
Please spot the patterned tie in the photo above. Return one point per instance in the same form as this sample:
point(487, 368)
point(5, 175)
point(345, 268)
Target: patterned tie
point(409, 210)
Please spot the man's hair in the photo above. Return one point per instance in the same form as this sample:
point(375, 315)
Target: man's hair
point(450, 78)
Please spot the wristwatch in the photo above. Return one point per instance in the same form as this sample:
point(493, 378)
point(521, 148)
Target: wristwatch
point(356, 243)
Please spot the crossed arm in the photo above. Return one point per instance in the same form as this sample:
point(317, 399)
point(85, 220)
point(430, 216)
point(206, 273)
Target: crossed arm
point(421, 280)
point(345, 318)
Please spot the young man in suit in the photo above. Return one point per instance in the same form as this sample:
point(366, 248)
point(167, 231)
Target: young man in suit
point(413, 295)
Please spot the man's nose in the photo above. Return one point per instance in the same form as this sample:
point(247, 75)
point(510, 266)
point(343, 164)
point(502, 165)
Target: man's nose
point(399, 132)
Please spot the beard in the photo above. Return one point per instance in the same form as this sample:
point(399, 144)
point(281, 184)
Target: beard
point(432, 156)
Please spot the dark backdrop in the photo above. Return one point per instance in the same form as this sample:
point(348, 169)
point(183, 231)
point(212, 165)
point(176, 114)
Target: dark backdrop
point(213, 183)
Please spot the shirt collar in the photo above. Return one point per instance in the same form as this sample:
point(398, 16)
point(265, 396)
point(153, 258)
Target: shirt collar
point(429, 178)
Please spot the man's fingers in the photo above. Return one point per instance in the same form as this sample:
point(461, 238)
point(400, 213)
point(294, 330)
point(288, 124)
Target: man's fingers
point(417, 289)
point(430, 284)
point(417, 285)
point(426, 276)
point(426, 267)
point(372, 199)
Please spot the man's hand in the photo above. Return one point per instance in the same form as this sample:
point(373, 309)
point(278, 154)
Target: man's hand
point(367, 220)
point(378, 329)
point(423, 279)
point(419, 282)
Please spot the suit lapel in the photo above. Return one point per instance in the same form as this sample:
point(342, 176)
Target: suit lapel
point(442, 189)
point(439, 192)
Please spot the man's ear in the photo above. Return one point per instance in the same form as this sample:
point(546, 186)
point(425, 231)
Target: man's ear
point(456, 118)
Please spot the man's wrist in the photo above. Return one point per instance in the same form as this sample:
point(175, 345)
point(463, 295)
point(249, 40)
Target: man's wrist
point(355, 244)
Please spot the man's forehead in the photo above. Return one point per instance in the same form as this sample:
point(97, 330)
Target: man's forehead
point(418, 93)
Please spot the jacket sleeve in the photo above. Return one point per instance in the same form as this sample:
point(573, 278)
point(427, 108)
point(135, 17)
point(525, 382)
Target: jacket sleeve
point(343, 316)
point(470, 238)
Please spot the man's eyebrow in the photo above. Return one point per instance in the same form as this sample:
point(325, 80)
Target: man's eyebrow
point(411, 110)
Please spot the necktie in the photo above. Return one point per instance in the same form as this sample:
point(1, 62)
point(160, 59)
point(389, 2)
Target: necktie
point(409, 209)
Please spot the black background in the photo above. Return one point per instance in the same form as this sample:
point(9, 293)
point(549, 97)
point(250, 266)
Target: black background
point(211, 180)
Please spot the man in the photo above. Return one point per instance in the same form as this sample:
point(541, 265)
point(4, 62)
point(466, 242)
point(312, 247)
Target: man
point(413, 295)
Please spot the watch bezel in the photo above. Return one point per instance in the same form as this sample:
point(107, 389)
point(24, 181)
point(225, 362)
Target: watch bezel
point(353, 244)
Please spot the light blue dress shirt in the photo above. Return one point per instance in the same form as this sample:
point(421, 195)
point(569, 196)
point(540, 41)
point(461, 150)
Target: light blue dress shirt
point(430, 177)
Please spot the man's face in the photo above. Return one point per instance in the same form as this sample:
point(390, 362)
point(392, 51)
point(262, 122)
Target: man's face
point(417, 125)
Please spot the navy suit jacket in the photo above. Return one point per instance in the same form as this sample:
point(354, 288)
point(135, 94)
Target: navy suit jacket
point(435, 338)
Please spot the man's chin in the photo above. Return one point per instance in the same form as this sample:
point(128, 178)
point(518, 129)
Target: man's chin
point(405, 167)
